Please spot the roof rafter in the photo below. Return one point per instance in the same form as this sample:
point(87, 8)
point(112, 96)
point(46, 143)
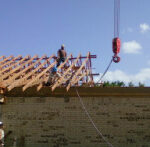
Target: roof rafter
point(17, 68)
point(38, 76)
point(36, 71)
point(59, 82)
point(17, 82)
point(77, 73)
point(13, 65)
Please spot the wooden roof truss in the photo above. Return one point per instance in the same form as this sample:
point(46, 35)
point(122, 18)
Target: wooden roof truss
point(34, 71)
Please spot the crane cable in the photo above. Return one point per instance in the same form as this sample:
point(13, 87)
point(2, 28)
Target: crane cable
point(116, 34)
point(116, 18)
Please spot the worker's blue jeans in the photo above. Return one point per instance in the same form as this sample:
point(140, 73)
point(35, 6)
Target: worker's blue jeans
point(60, 60)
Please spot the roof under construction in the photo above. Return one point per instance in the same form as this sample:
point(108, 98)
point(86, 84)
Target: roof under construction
point(30, 71)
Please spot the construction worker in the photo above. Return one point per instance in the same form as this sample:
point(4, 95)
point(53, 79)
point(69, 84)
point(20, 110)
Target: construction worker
point(61, 55)
point(52, 76)
point(1, 135)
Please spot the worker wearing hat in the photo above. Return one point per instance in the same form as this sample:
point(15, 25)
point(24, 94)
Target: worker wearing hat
point(51, 79)
point(1, 134)
point(61, 55)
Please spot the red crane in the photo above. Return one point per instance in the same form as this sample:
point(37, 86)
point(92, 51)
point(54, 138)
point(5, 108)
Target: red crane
point(116, 43)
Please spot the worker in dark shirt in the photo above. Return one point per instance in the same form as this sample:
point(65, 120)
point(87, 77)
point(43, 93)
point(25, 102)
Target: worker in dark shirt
point(61, 55)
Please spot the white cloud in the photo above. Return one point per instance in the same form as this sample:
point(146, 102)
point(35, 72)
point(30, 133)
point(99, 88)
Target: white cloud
point(144, 28)
point(117, 75)
point(131, 47)
point(142, 76)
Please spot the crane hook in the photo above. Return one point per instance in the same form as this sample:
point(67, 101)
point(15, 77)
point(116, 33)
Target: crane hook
point(116, 43)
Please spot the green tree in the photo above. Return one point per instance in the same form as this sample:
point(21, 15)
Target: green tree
point(130, 84)
point(113, 84)
point(120, 84)
point(141, 84)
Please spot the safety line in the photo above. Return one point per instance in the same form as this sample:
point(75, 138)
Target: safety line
point(98, 131)
point(105, 71)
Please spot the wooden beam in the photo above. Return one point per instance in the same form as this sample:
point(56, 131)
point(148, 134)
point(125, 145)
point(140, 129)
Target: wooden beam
point(82, 75)
point(41, 83)
point(78, 72)
point(14, 74)
point(39, 75)
point(2, 57)
point(9, 62)
point(12, 79)
point(64, 80)
point(62, 65)
point(13, 64)
point(37, 82)
point(17, 68)
point(59, 82)
point(39, 87)
point(26, 82)
point(17, 82)
point(6, 59)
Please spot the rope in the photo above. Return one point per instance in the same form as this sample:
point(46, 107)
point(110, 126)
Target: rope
point(92, 122)
point(105, 71)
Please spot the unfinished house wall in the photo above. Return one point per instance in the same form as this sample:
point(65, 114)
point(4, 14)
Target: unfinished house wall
point(58, 121)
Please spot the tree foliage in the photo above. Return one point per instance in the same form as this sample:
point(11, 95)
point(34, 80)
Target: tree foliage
point(118, 84)
point(141, 84)
point(114, 84)
point(130, 84)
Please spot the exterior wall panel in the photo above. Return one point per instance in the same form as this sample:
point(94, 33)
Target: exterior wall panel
point(60, 121)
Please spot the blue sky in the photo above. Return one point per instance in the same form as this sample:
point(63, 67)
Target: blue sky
point(41, 26)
